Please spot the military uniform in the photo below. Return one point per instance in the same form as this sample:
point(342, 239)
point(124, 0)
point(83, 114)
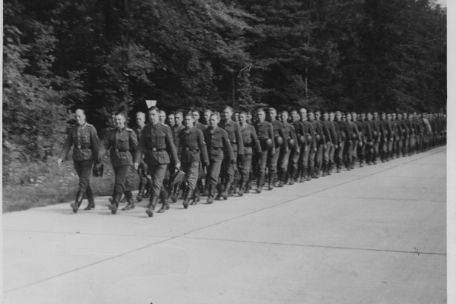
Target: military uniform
point(360, 143)
point(85, 142)
point(157, 145)
point(316, 155)
point(341, 137)
point(218, 148)
point(175, 131)
point(295, 151)
point(228, 168)
point(192, 151)
point(251, 145)
point(308, 145)
point(289, 142)
point(280, 146)
point(265, 134)
point(328, 151)
point(122, 145)
point(144, 181)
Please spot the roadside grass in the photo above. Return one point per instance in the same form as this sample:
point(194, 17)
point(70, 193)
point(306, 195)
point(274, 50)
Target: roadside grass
point(28, 185)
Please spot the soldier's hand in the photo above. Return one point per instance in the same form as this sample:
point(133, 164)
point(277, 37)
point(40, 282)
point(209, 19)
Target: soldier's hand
point(136, 165)
point(178, 165)
point(59, 161)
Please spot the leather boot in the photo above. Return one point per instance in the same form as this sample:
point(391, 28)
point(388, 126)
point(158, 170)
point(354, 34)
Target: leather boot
point(115, 203)
point(260, 183)
point(210, 194)
point(151, 206)
point(130, 203)
point(196, 196)
point(187, 193)
point(225, 190)
point(90, 198)
point(77, 201)
point(271, 181)
point(140, 195)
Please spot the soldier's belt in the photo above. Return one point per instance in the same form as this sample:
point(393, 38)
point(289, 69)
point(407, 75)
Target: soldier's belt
point(215, 148)
point(155, 149)
point(247, 145)
point(191, 149)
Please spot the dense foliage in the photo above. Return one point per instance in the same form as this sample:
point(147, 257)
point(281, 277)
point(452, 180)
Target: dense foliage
point(99, 54)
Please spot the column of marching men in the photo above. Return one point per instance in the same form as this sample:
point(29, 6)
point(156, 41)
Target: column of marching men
point(179, 157)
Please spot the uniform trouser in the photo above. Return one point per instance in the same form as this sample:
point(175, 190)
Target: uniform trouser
point(264, 158)
point(157, 173)
point(293, 165)
point(355, 150)
point(122, 181)
point(369, 151)
point(339, 154)
point(245, 167)
point(228, 171)
point(273, 162)
point(375, 152)
point(142, 174)
point(331, 151)
point(348, 153)
point(284, 157)
point(390, 144)
point(84, 171)
point(191, 170)
point(304, 158)
point(361, 151)
point(213, 173)
point(316, 158)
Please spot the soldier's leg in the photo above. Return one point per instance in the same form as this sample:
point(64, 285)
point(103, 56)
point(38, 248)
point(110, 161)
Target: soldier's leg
point(340, 156)
point(212, 178)
point(262, 161)
point(273, 168)
point(331, 160)
point(191, 178)
point(282, 165)
point(84, 171)
point(293, 166)
point(119, 186)
point(157, 173)
point(244, 169)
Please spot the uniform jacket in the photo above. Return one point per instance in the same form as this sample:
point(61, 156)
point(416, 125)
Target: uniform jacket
point(157, 145)
point(264, 132)
point(250, 139)
point(234, 135)
point(85, 141)
point(191, 146)
point(122, 145)
point(218, 144)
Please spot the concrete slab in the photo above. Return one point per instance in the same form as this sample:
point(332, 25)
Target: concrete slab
point(372, 235)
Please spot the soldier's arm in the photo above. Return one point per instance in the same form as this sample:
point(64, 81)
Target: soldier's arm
point(271, 136)
point(203, 148)
point(133, 141)
point(140, 150)
point(171, 147)
point(239, 139)
point(227, 147)
point(255, 140)
point(95, 142)
point(66, 147)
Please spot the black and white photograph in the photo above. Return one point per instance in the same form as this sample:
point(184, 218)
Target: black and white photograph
point(227, 152)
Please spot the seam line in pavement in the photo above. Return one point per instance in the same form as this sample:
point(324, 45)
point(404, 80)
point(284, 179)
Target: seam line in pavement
point(216, 223)
point(416, 251)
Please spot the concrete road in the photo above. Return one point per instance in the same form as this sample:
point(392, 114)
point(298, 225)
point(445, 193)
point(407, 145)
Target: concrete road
point(372, 235)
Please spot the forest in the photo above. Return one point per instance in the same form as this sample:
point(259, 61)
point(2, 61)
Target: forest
point(362, 55)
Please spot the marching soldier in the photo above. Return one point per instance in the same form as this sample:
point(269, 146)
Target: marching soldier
point(265, 134)
point(84, 139)
point(251, 145)
point(144, 182)
point(340, 141)
point(335, 141)
point(122, 143)
point(328, 131)
point(171, 120)
point(234, 135)
point(178, 126)
point(290, 142)
point(157, 145)
point(316, 154)
point(308, 147)
point(369, 139)
point(192, 151)
point(279, 146)
point(296, 151)
point(219, 148)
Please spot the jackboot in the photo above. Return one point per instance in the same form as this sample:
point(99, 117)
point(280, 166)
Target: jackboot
point(140, 195)
point(77, 201)
point(271, 181)
point(187, 193)
point(115, 203)
point(260, 183)
point(151, 206)
point(130, 203)
point(210, 194)
point(90, 198)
